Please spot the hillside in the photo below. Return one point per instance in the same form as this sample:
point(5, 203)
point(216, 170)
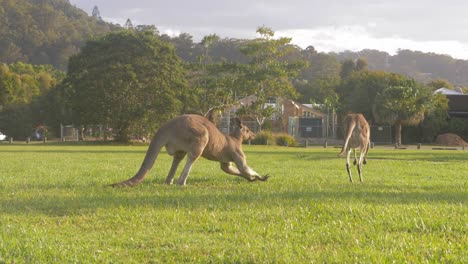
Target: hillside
point(421, 66)
point(45, 31)
point(50, 31)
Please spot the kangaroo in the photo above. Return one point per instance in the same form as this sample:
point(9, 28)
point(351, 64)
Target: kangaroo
point(194, 136)
point(357, 135)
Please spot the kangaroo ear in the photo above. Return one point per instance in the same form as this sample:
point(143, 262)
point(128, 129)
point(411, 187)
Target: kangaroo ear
point(211, 117)
point(238, 122)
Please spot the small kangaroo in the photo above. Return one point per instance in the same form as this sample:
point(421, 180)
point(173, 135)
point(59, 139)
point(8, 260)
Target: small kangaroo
point(194, 136)
point(357, 135)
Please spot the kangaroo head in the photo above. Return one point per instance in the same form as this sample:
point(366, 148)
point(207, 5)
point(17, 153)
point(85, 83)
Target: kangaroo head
point(245, 132)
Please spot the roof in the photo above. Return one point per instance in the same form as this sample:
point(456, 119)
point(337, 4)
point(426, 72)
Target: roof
point(446, 91)
point(308, 107)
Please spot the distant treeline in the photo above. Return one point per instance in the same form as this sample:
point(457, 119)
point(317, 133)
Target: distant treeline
point(50, 31)
point(38, 38)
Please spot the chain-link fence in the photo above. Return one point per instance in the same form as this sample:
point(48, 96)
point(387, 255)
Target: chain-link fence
point(68, 133)
point(318, 128)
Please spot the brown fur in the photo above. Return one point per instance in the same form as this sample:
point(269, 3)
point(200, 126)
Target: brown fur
point(357, 136)
point(194, 136)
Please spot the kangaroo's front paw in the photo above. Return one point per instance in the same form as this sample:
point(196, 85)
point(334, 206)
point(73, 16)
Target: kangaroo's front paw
point(264, 177)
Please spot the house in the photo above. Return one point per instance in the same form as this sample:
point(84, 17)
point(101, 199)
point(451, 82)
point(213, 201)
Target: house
point(296, 119)
point(304, 120)
point(457, 102)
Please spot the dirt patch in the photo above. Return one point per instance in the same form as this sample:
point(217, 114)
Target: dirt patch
point(450, 140)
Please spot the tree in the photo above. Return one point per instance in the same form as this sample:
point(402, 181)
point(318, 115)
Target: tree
point(128, 80)
point(402, 105)
point(22, 87)
point(347, 68)
point(357, 93)
point(207, 42)
point(268, 74)
point(440, 83)
point(361, 64)
point(211, 83)
point(96, 14)
point(318, 81)
point(212, 87)
point(128, 24)
point(46, 32)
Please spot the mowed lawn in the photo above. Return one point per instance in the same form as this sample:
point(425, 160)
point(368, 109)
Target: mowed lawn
point(56, 207)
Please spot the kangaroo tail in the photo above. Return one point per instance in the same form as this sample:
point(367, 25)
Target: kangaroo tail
point(349, 132)
point(153, 150)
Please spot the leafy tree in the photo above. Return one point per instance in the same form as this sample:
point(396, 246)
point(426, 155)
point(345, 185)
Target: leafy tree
point(212, 87)
point(184, 46)
point(435, 121)
point(20, 83)
point(347, 68)
point(357, 93)
point(207, 42)
point(45, 32)
point(318, 81)
point(402, 105)
point(361, 64)
point(127, 80)
point(440, 83)
point(96, 14)
point(268, 74)
point(212, 83)
point(22, 87)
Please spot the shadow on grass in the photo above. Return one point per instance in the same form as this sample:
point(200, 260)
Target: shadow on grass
point(68, 151)
point(420, 155)
point(176, 197)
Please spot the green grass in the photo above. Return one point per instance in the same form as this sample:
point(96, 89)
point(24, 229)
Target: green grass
point(55, 207)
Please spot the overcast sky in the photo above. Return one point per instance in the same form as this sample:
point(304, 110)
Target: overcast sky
point(328, 25)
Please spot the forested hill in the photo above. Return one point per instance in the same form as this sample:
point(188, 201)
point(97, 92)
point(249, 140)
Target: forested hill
point(422, 66)
point(50, 31)
point(45, 31)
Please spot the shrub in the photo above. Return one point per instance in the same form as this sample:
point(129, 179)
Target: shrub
point(285, 140)
point(263, 138)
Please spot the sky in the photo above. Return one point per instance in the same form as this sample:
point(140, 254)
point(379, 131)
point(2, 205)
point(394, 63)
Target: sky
point(328, 25)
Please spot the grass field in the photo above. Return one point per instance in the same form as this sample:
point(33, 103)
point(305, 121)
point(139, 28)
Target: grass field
point(55, 207)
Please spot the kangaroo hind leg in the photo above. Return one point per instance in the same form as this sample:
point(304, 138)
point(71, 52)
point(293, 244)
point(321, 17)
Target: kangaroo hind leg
point(188, 166)
point(196, 149)
point(362, 155)
point(178, 157)
point(348, 169)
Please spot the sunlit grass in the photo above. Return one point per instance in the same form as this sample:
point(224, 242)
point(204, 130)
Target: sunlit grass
point(56, 207)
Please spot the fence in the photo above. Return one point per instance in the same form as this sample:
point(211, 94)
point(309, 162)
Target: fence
point(226, 125)
point(317, 128)
point(69, 133)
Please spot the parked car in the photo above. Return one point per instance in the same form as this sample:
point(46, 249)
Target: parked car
point(2, 136)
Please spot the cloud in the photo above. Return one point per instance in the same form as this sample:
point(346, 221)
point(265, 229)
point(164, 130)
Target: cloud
point(357, 38)
point(135, 11)
point(429, 26)
point(170, 32)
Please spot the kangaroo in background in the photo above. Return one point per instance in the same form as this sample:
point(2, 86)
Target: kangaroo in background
point(357, 134)
point(194, 136)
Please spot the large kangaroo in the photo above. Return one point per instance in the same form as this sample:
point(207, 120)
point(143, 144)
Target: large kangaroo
point(357, 135)
point(197, 136)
